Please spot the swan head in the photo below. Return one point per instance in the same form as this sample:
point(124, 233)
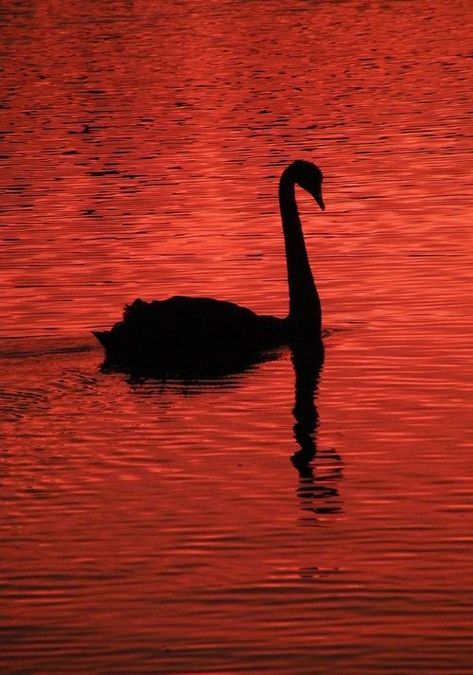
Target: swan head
point(309, 177)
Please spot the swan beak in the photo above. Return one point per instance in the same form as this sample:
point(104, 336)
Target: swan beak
point(318, 198)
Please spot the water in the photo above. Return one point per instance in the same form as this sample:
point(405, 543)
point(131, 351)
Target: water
point(162, 527)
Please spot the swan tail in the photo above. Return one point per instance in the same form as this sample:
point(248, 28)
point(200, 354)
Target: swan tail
point(103, 336)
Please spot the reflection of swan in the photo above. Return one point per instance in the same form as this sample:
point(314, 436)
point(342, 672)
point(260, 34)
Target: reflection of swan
point(183, 334)
point(319, 471)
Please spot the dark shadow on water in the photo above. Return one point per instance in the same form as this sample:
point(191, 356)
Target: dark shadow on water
point(196, 372)
point(320, 470)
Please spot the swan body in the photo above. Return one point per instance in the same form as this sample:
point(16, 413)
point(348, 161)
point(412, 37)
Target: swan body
point(184, 334)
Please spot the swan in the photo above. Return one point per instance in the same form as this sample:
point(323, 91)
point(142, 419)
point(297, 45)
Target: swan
point(183, 334)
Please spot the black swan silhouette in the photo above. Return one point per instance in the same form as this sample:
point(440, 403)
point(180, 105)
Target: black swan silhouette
point(181, 334)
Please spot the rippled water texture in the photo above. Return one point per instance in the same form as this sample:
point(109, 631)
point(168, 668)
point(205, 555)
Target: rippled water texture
point(161, 526)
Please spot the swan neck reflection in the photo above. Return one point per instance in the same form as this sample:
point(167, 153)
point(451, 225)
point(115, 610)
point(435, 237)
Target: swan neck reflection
point(319, 471)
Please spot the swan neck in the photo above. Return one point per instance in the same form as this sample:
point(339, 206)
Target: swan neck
point(304, 302)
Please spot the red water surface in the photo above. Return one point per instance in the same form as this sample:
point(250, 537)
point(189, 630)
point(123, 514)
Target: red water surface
point(161, 527)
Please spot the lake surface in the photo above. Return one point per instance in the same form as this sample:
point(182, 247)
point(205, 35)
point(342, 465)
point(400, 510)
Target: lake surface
point(198, 527)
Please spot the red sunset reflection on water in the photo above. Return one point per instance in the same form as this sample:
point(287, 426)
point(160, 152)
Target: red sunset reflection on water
point(162, 528)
